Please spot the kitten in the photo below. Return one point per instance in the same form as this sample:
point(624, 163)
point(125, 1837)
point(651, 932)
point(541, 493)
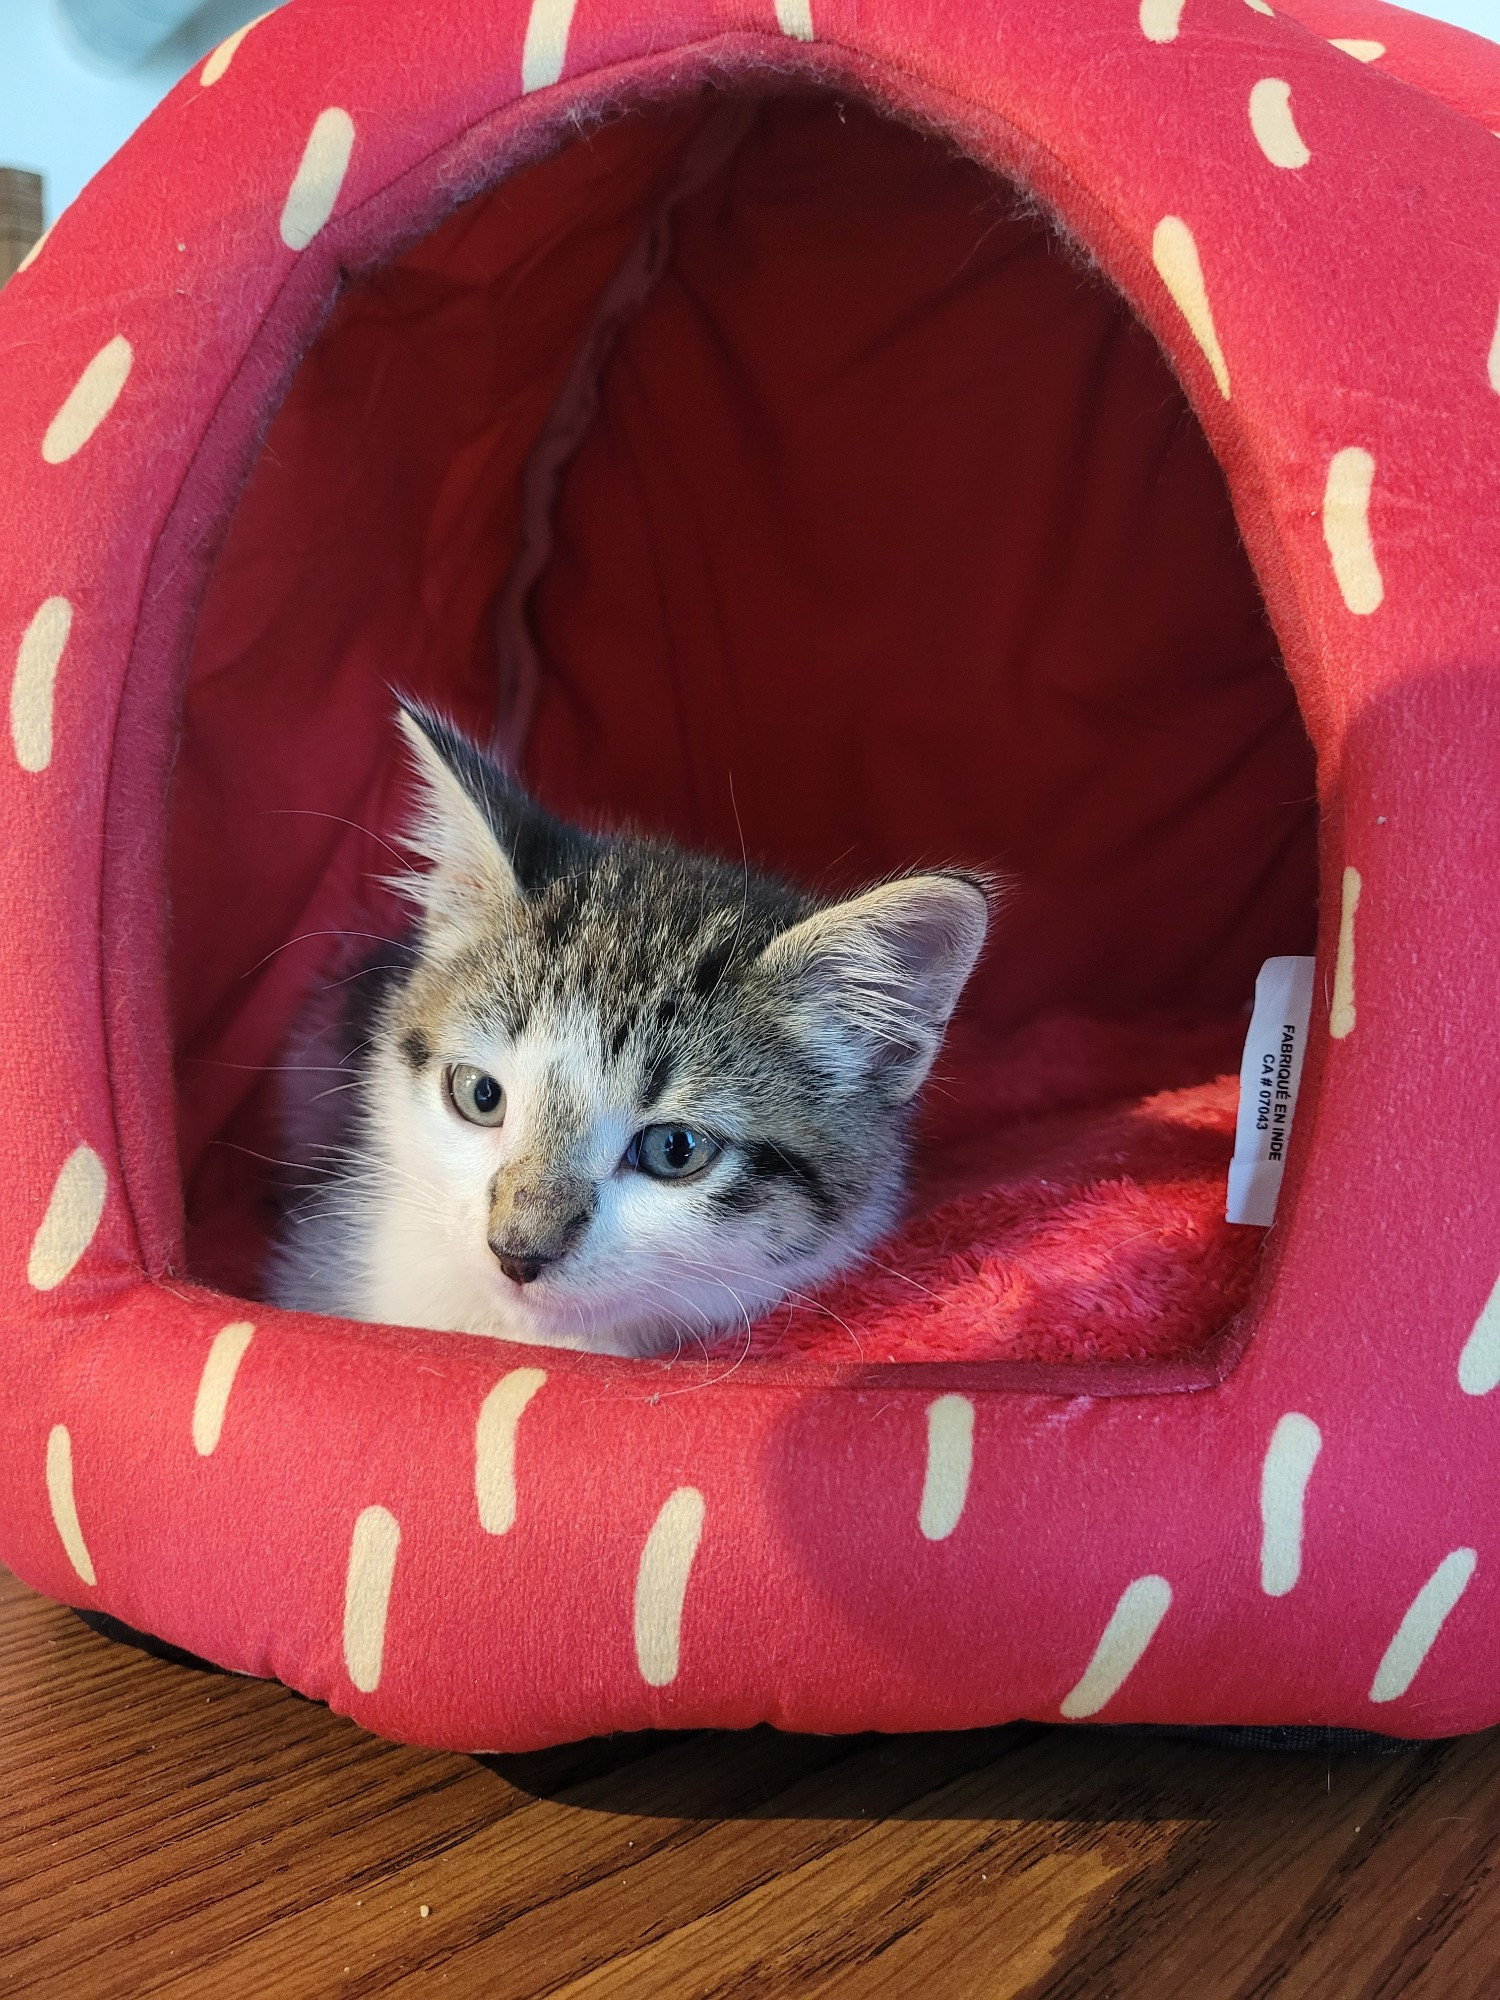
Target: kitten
point(609, 1094)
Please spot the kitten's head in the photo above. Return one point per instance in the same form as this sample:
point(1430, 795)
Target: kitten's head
point(628, 1095)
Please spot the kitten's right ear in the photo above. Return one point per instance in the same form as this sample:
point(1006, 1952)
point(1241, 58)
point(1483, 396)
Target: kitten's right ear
point(470, 879)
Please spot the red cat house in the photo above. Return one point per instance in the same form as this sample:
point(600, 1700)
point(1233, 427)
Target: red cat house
point(1058, 438)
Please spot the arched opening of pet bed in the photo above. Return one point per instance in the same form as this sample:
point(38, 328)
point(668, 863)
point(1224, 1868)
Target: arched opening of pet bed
point(770, 475)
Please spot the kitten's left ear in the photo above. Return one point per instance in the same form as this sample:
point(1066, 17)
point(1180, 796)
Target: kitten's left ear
point(870, 984)
point(471, 878)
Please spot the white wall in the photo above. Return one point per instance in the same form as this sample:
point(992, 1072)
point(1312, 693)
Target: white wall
point(62, 118)
point(1480, 17)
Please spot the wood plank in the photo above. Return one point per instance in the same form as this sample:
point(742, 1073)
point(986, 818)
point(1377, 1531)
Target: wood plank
point(20, 216)
point(170, 1833)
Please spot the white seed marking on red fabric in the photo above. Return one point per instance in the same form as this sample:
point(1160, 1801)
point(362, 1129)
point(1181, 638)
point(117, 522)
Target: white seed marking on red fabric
point(950, 1460)
point(1131, 1628)
point(1418, 1630)
point(64, 1506)
point(495, 1447)
point(1341, 1007)
point(545, 49)
point(794, 18)
point(1494, 364)
point(1160, 19)
point(1479, 1364)
point(89, 401)
point(319, 177)
point(33, 253)
point(1360, 50)
point(220, 58)
point(1290, 1457)
point(661, 1585)
point(367, 1594)
point(35, 680)
point(1175, 255)
point(1273, 125)
point(73, 1212)
point(1346, 529)
point(214, 1384)
point(1262, 7)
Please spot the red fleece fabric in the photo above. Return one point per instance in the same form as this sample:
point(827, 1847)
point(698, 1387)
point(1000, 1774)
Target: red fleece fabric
point(1129, 563)
point(1458, 68)
point(1061, 1225)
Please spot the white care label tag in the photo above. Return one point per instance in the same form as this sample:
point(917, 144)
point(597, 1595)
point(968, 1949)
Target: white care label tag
point(1270, 1077)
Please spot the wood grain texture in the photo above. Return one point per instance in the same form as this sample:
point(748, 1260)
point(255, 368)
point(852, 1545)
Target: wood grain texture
point(173, 1833)
point(20, 216)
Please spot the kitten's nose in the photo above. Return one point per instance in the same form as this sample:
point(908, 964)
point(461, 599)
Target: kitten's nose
point(522, 1267)
point(523, 1258)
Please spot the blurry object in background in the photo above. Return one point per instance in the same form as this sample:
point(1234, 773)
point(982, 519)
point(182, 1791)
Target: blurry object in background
point(123, 33)
point(20, 216)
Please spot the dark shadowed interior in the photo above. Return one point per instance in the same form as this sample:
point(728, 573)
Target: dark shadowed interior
point(765, 473)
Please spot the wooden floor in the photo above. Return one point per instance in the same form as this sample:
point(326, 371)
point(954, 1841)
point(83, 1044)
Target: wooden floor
point(171, 1832)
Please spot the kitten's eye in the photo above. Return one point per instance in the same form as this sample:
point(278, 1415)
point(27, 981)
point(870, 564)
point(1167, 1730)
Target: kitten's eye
point(476, 1095)
point(671, 1152)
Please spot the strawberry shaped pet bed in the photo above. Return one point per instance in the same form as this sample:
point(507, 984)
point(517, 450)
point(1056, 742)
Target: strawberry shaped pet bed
point(1061, 438)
